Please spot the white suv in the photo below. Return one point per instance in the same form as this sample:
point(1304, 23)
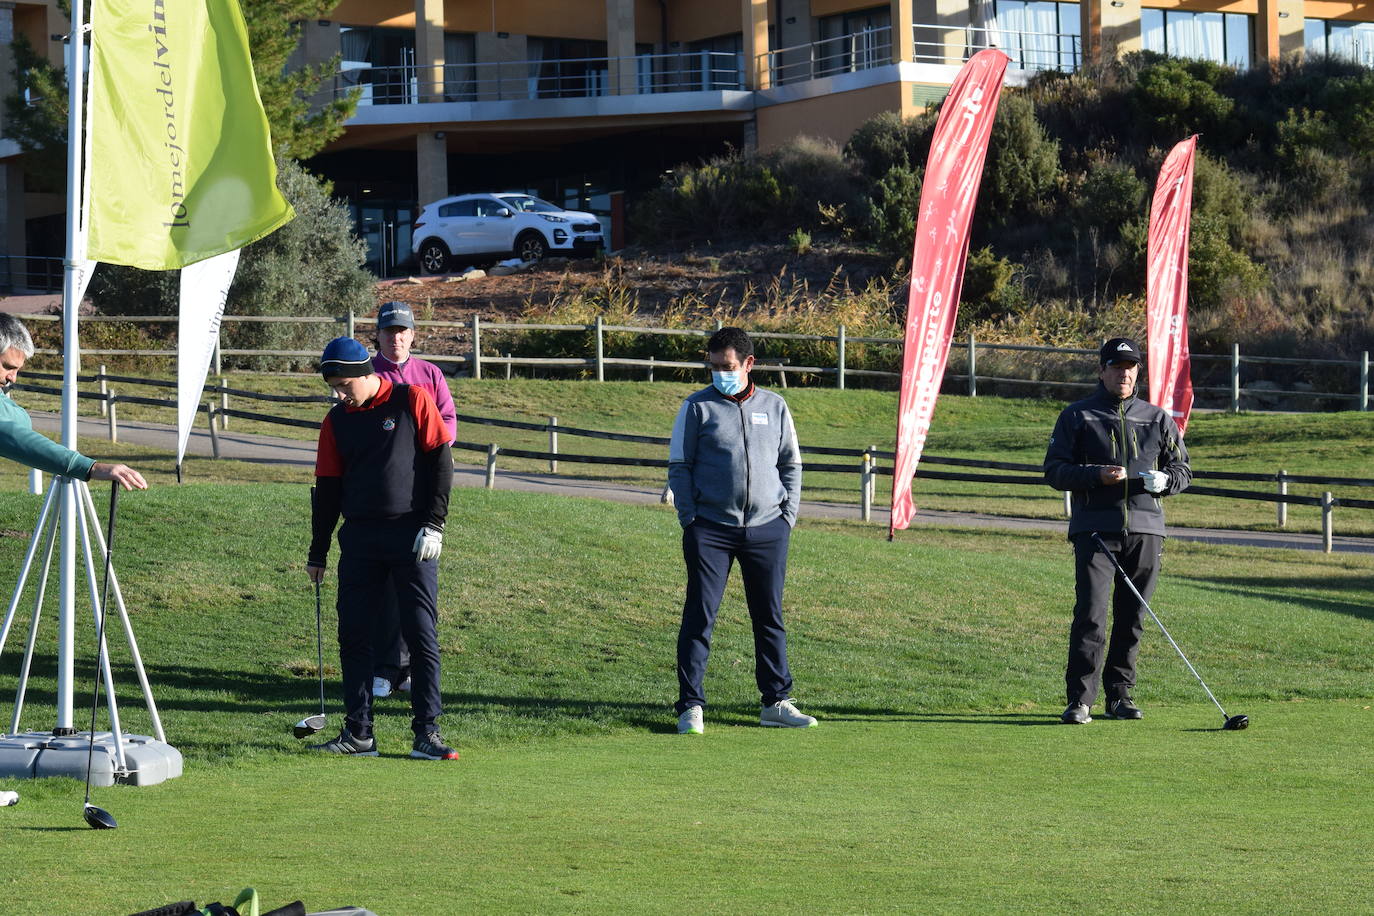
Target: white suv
point(499, 225)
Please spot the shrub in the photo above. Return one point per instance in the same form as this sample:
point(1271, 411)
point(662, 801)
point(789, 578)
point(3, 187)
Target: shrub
point(1022, 170)
point(799, 241)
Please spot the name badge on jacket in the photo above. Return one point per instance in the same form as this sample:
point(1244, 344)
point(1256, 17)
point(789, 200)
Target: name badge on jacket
point(758, 419)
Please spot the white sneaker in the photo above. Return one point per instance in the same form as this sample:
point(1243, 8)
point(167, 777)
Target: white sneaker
point(381, 687)
point(690, 722)
point(783, 714)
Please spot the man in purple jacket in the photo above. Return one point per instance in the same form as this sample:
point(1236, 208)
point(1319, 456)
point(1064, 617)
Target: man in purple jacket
point(395, 337)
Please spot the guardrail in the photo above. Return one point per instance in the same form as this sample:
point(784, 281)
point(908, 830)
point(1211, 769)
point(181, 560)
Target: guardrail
point(557, 78)
point(31, 274)
point(867, 467)
point(1233, 395)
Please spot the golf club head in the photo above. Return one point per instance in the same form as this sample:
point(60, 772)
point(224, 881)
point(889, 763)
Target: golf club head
point(1235, 723)
point(308, 726)
point(98, 818)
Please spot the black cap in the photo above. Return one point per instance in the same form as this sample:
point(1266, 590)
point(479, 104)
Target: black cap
point(395, 315)
point(1120, 350)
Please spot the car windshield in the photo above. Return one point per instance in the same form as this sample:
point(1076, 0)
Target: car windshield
point(527, 204)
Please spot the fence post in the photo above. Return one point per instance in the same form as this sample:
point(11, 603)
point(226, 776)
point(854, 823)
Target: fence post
point(865, 501)
point(553, 444)
point(223, 403)
point(972, 366)
point(839, 359)
point(210, 419)
point(114, 424)
point(600, 352)
point(492, 449)
point(349, 322)
point(1068, 504)
point(1364, 380)
point(1235, 378)
point(1327, 504)
point(651, 367)
point(1283, 491)
point(104, 390)
point(477, 346)
point(508, 365)
point(873, 474)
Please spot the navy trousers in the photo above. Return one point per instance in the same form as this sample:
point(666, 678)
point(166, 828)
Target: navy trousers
point(710, 550)
point(376, 557)
point(391, 655)
point(1094, 579)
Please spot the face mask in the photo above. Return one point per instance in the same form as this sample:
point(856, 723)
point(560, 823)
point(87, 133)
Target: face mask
point(728, 382)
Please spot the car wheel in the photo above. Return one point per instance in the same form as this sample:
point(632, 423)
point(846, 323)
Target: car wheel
point(433, 257)
point(530, 246)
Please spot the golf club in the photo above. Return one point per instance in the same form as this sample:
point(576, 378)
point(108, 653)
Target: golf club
point(99, 818)
point(312, 724)
point(1231, 723)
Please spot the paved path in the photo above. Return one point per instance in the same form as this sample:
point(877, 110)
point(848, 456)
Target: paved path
point(278, 450)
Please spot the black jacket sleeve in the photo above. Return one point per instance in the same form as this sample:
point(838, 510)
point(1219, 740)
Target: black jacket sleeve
point(326, 502)
point(439, 464)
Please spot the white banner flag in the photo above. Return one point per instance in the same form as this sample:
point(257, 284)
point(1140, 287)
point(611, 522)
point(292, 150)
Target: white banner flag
point(204, 289)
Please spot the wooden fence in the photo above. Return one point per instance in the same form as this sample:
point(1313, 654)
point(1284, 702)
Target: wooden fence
point(864, 461)
point(596, 362)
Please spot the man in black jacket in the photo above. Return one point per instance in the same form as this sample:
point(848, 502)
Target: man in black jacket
point(383, 463)
point(1119, 456)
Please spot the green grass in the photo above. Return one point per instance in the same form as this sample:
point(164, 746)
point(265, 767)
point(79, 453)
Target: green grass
point(996, 429)
point(928, 787)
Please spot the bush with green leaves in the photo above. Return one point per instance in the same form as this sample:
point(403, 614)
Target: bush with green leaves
point(310, 266)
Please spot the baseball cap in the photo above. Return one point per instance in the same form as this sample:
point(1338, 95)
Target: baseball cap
point(395, 315)
point(344, 357)
point(1120, 350)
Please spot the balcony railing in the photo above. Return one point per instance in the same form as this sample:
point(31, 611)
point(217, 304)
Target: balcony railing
point(570, 78)
point(831, 56)
point(1028, 50)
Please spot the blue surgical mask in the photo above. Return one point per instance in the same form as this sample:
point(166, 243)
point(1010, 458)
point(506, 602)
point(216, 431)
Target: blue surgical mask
point(728, 382)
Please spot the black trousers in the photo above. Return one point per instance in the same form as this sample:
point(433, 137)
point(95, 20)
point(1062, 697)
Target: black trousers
point(390, 654)
point(376, 557)
point(710, 550)
point(1094, 582)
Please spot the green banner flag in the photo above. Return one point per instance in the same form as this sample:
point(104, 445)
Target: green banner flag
point(181, 162)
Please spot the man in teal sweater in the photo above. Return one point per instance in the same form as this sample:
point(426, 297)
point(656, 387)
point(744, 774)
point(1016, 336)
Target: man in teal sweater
point(19, 442)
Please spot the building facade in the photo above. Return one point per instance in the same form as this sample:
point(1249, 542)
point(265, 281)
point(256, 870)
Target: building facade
point(584, 102)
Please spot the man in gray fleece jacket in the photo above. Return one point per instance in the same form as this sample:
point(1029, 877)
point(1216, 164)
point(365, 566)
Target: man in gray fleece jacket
point(735, 472)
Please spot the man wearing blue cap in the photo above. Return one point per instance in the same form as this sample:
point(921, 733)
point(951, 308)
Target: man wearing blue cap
point(383, 463)
point(1118, 456)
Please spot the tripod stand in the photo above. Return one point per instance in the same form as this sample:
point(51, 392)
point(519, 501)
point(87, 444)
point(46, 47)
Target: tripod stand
point(136, 759)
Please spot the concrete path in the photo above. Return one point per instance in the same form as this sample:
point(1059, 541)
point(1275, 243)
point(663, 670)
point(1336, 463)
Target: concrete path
point(278, 450)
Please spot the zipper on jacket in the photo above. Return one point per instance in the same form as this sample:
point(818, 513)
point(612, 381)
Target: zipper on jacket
point(744, 433)
point(1125, 481)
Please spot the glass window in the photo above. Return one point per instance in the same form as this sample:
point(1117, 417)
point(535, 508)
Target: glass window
point(854, 41)
point(1225, 38)
point(1037, 34)
point(459, 208)
point(1314, 36)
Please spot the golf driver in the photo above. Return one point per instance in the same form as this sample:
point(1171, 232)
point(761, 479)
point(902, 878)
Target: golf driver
point(1231, 723)
point(99, 818)
point(312, 724)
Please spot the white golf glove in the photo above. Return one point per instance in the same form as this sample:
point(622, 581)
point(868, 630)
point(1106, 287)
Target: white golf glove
point(428, 544)
point(1156, 482)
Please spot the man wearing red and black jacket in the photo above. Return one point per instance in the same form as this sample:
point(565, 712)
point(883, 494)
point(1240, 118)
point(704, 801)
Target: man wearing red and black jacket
point(383, 463)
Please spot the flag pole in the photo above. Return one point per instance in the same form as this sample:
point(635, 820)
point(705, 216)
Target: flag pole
point(71, 356)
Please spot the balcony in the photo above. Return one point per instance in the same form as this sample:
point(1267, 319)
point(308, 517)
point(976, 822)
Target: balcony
point(533, 80)
point(1029, 51)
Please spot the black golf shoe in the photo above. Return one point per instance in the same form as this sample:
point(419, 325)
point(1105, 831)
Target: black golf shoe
point(348, 744)
point(1076, 714)
point(1123, 708)
point(430, 746)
